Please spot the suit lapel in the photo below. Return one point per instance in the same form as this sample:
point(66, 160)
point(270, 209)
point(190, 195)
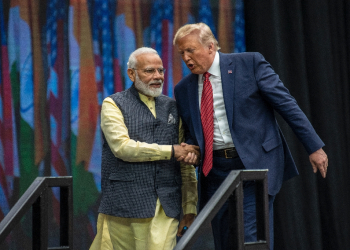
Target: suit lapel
point(194, 108)
point(227, 79)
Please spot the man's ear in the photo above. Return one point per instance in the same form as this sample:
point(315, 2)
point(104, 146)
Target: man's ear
point(211, 47)
point(131, 74)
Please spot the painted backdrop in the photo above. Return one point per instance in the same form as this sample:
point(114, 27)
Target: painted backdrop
point(59, 59)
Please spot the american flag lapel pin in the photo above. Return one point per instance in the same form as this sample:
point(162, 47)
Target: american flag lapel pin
point(229, 71)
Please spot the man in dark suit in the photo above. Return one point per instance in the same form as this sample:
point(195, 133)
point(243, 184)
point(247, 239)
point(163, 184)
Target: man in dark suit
point(227, 107)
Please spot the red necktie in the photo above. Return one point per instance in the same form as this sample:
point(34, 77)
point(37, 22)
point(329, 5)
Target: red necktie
point(207, 117)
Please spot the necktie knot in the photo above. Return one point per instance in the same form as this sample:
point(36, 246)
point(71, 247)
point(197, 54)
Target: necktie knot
point(206, 76)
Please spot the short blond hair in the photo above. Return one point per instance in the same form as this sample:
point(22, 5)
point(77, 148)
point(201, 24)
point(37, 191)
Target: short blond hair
point(205, 34)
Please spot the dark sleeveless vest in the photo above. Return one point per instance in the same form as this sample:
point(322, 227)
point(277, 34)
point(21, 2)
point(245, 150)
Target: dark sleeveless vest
point(130, 189)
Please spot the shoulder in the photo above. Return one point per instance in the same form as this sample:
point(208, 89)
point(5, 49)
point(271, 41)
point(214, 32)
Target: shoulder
point(120, 97)
point(120, 94)
point(166, 99)
point(115, 95)
point(244, 56)
point(185, 81)
point(243, 62)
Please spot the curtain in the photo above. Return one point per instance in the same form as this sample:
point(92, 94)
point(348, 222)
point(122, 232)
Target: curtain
point(308, 44)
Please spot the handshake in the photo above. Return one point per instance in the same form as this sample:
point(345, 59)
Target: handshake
point(186, 153)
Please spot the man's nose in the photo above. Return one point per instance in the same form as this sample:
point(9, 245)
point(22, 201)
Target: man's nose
point(157, 75)
point(185, 57)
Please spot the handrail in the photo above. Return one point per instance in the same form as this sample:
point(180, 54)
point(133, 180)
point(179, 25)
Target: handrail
point(232, 189)
point(36, 196)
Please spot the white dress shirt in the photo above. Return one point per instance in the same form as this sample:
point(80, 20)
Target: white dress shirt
point(222, 134)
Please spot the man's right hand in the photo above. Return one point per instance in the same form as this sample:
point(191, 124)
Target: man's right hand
point(187, 153)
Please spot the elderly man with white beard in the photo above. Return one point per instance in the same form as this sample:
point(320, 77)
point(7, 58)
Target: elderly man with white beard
point(143, 181)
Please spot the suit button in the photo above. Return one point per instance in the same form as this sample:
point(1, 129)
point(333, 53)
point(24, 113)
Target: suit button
point(157, 171)
point(156, 187)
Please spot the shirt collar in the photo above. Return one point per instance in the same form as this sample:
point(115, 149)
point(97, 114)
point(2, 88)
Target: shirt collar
point(215, 67)
point(145, 98)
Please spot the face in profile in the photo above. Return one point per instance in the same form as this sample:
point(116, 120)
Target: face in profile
point(198, 57)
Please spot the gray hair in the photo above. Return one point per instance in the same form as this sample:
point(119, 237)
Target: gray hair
point(205, 34)
point(143, 50)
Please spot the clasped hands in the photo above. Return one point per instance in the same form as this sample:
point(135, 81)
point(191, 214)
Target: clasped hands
point(186, 153)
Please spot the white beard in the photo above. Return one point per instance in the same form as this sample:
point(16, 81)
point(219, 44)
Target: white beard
point(145, 88)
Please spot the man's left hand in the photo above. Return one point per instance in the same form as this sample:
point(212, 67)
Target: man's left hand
point(186, 221)
point(319, 160)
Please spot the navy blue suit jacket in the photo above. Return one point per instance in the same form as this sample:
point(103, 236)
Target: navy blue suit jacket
point(251, 91)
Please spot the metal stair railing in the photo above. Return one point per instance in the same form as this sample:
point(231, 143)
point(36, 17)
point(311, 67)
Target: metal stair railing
point(232, 189)
point(36, 197)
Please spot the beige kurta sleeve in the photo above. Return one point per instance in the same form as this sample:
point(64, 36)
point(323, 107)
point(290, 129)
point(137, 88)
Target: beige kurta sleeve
point(189, 182)
point(117, 136)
